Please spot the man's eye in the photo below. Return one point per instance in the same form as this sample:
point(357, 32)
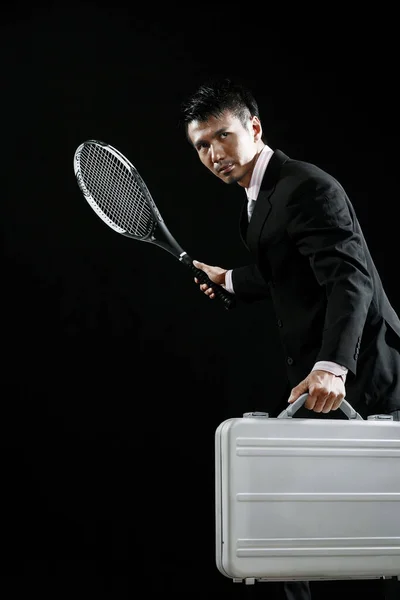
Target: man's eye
point(224, 134)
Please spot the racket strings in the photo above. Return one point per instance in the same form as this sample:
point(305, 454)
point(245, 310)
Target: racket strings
point(114, 192)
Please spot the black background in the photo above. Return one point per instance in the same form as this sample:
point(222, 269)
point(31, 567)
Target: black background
point(116, 369)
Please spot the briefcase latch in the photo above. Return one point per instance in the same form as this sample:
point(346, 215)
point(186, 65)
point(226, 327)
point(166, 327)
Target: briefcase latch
point(380, 418)
point(257, 414)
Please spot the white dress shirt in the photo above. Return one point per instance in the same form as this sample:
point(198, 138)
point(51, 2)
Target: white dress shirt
point(252, 193)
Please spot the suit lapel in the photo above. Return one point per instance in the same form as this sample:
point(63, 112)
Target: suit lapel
point(251, 232)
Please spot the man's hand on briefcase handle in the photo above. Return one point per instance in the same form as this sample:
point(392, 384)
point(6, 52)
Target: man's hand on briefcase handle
point(325, 391)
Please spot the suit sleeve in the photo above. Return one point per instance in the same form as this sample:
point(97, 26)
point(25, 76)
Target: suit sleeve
point(249, 285)
point(324, 228)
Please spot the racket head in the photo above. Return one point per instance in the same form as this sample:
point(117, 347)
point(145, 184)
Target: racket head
point(114, 189)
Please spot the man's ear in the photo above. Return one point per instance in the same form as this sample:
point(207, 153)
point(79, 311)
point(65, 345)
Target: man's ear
point(257, 128)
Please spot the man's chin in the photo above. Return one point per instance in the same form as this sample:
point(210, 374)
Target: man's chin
point(230, 180)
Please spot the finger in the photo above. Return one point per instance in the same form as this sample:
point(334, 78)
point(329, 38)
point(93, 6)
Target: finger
point(325, 402)
point(200, 266)
point(209, 292)
point(316, 402)
point(310, 402)
point(320, 404)
point(329, 402)
point(206, 289)
point(297, 391)
point(337, 402)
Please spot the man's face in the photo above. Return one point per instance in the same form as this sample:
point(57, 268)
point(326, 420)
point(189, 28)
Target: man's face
point(226, 147)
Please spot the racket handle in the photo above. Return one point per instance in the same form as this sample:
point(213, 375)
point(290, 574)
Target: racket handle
point(228, 299)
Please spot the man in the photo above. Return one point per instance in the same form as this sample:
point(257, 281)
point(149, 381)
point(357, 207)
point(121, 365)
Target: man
point(340, 334)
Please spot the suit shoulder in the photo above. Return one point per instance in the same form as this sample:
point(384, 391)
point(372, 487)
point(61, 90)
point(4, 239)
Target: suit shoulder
point(305, 174)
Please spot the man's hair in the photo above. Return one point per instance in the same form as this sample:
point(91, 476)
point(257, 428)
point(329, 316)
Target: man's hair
point(215, 97)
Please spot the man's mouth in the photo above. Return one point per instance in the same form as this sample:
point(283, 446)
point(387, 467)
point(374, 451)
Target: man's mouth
point(225, 169)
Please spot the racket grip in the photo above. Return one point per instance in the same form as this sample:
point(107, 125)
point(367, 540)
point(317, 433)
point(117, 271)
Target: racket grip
point(226, 298)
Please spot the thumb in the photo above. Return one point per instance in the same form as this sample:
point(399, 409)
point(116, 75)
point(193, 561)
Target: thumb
point(297, 391)
point(200, 265)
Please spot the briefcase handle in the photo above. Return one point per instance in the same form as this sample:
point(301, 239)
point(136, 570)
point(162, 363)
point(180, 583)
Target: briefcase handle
point(292, 408)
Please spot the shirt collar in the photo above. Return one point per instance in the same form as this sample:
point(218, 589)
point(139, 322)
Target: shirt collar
point(258, 172)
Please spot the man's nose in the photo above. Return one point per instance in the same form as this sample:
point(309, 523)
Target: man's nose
point(216, 153)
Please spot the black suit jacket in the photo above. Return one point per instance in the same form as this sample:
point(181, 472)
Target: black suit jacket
point(311, 257)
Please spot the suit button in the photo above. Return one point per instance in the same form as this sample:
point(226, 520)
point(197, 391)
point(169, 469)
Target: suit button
point(280, 324)
point(289, 360)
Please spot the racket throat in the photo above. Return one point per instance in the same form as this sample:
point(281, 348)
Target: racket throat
point(186, 259)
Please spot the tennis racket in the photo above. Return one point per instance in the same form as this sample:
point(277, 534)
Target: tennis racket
point(118, 195)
